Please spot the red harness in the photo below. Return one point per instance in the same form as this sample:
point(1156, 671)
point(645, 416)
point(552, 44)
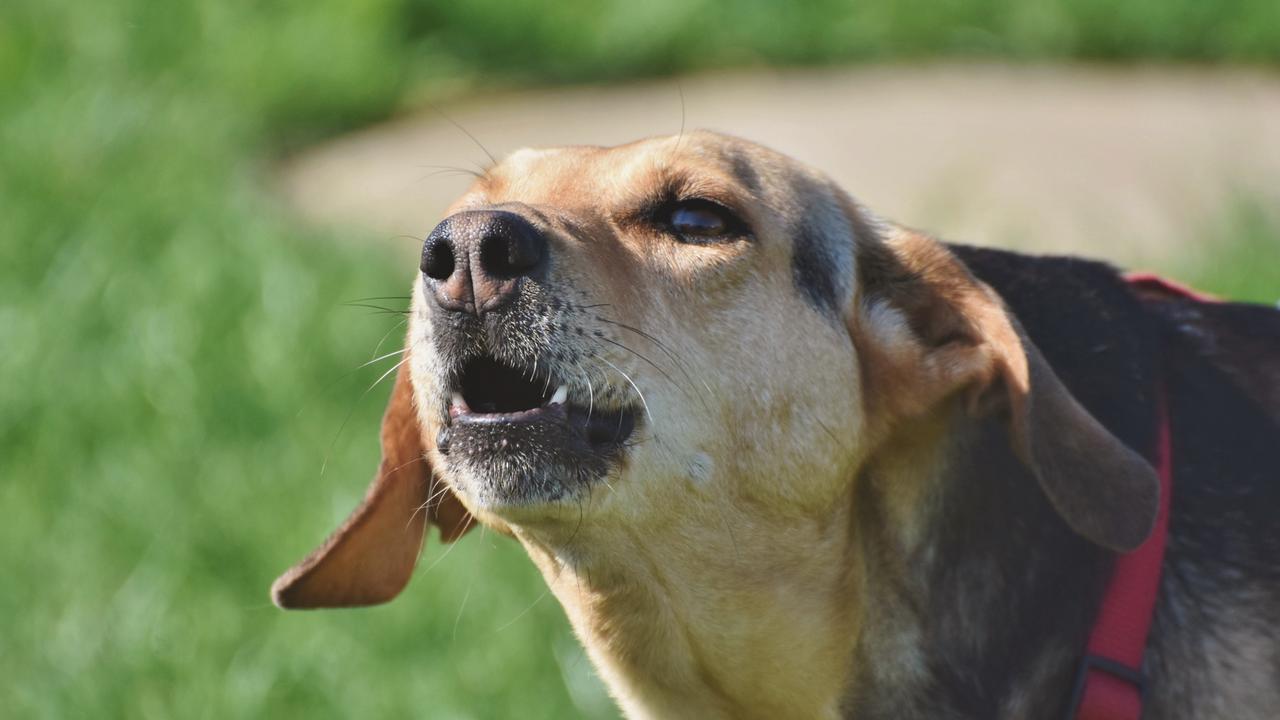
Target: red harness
point(1110, 684)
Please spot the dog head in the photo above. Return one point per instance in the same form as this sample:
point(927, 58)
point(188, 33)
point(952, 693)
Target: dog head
point(681, 331)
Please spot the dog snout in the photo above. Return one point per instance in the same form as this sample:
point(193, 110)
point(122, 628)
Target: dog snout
point(474, 261)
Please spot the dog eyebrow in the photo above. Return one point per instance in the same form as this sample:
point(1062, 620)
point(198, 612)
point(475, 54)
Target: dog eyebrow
point(677, 184)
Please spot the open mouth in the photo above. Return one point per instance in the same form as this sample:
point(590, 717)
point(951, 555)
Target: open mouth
point(496, 408)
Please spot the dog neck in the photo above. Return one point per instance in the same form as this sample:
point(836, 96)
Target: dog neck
point(942, 584)
point(979, 610)
point(705, 619)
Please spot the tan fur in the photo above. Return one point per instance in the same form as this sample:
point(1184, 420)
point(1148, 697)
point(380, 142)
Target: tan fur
point(626, 575)
point(720, 571)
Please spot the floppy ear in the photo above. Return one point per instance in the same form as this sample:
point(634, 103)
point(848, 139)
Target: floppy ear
point(370, 558)
point(927, 330)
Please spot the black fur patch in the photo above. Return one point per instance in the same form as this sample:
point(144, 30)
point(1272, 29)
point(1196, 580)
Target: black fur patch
point(812, 271)
point(1006, 604)
point(1089, 326)
point(1009, 583)
point(745, 172)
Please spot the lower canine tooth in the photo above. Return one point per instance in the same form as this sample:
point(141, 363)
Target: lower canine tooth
point(562, 394)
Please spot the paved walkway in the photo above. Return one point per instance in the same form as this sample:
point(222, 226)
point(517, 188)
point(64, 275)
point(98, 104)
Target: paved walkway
point(1129, 164)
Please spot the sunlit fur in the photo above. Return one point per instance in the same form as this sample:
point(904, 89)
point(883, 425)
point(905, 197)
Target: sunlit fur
point(761, 548)
point(857, 487)
point(679, 572)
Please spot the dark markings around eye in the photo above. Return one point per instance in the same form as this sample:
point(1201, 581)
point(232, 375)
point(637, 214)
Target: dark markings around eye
point(744, 172)
point(811, 269)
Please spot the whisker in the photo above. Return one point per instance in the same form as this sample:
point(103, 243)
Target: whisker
point(393, 353)
point(381, 297)
point(524, 612)
point(387, 334)
point(578, 527)
point(680, 364)
point(386, 374)
point(647, 360)
point(421, 508)
point(426, 504)
point(324, 465)
point(464, 131)
point(462, 606)
point(633, 386)
point(661, 345)
point(449, 549)
point(831, 434)
point(591, 393)
point(464, 524)
point(680, 137)
point(380, 308)
point(444, 169)
point(329, 386)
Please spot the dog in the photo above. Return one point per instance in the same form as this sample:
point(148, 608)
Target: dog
point(780, 458)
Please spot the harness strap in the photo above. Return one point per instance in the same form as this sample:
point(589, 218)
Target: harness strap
point(1109, 683)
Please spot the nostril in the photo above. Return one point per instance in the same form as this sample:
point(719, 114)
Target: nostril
point(511, 254)
point(437, 259)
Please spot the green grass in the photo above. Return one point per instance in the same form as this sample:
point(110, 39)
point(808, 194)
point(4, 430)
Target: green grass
point(175, 359)
point(175, 355)
point(1243, 259)
point(536, 40)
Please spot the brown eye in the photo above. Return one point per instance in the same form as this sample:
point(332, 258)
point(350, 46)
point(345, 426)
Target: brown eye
point(701, 221)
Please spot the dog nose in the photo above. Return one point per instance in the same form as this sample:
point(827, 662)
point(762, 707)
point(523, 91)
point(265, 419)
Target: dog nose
point(474, 260)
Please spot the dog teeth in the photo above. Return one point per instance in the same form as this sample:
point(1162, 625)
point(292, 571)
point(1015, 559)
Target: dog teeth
point(562, 394)
point(457, 406)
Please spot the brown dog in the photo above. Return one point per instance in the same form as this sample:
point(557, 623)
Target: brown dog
point(778, 458)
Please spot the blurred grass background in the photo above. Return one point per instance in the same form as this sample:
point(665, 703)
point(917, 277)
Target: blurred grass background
point(177, 356)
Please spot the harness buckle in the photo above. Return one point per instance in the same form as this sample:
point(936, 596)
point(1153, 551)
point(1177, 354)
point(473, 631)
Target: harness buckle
point(1106, 665)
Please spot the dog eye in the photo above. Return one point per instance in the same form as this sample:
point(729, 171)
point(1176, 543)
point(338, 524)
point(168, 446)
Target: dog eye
point(699, 221)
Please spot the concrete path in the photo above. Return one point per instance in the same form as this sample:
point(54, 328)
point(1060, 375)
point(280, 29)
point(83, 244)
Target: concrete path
point(1128, 164)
